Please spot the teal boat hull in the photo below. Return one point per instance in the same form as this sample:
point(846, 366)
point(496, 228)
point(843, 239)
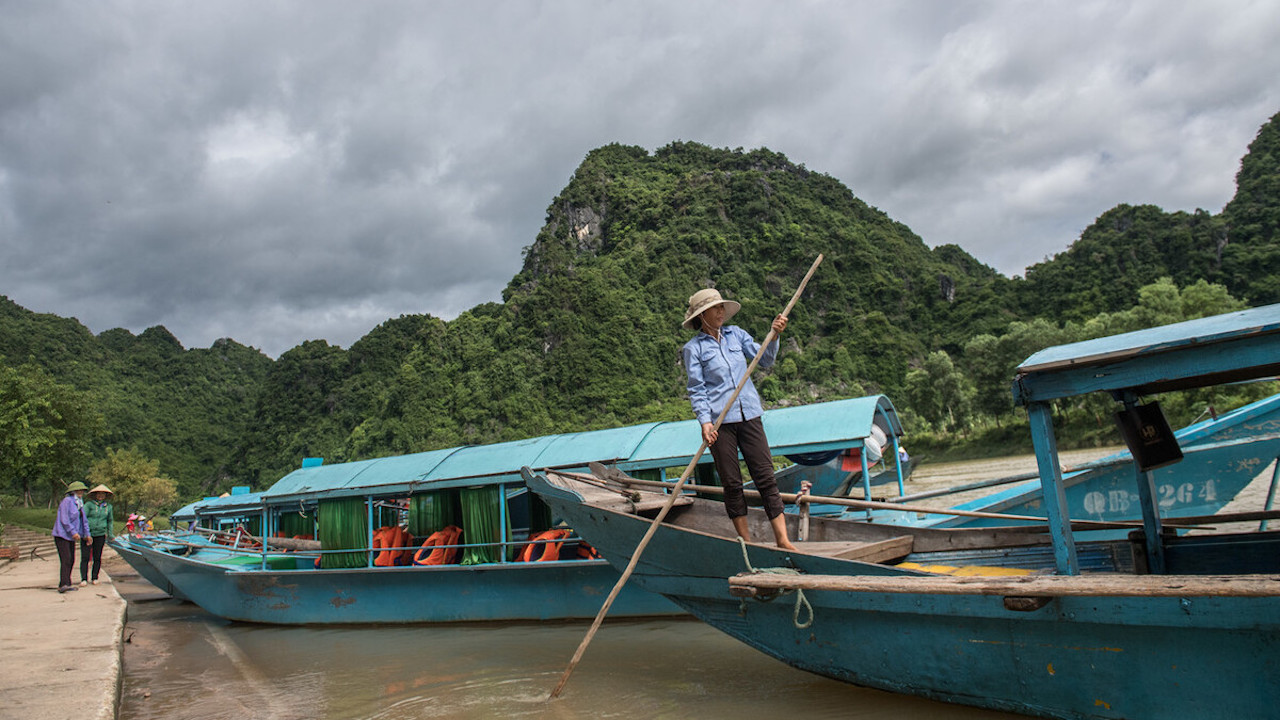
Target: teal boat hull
point(128, 551)
point(292, 592)
point(1075, 657)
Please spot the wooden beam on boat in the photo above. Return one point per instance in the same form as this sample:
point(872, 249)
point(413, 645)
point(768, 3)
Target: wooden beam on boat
point(883, 551)
point(1094, 585)
point(291, 543)
point(280, 543)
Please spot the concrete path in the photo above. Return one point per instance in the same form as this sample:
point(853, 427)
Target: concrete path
point(61, 653)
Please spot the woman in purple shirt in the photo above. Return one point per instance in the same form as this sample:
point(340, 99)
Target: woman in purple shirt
point(715, 361)
point(68, 529)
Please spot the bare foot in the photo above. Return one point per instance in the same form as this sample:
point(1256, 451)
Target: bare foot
point(786, 545)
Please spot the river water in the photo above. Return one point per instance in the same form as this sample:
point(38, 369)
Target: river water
point(182, 662)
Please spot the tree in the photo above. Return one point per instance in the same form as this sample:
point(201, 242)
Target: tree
point(46, 431)
point(130, 475)
point(156, 493)
point(939, 392)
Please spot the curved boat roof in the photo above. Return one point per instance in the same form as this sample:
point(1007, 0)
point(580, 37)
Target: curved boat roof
point(220, 505)
point(1195, 353)
point(817, 427)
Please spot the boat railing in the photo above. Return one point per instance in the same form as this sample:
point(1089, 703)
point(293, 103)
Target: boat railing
point(263, 549)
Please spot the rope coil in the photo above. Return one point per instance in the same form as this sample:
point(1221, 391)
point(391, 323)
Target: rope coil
point(801, 600)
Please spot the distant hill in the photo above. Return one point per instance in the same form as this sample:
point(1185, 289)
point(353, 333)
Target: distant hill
point(185, 408)
point(1131, 246)
point(587, 335)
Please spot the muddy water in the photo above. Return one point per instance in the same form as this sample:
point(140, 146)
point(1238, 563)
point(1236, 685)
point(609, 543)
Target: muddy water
point(182, 662)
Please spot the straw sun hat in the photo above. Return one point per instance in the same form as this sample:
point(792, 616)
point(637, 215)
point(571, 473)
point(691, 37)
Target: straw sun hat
point(103, 489)
point(704, 300)
point(77, 485)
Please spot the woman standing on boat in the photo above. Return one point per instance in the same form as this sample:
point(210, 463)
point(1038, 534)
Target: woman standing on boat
point(715, 361)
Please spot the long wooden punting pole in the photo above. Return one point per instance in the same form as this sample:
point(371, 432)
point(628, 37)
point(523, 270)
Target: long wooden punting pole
point(675, 494)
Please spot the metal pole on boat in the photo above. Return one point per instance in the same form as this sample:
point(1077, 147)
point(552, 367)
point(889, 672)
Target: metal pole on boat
point(1271, 493)
point(675, 493)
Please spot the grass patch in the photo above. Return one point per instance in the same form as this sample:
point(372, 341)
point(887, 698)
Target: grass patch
point(29, 518)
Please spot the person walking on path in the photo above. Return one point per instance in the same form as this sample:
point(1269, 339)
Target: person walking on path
point(98, 513)
point(69, 527)
point(715, 361)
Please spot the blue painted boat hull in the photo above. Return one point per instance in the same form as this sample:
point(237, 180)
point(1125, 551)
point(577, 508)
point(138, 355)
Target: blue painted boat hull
point(1076, 657)
point(302, 595)
point(126, 550)
point(1222, 457)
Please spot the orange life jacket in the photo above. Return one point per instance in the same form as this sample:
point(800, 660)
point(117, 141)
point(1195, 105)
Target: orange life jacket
point(392, 536)
point(549, 551)
point(586, 552)
point(433, 551)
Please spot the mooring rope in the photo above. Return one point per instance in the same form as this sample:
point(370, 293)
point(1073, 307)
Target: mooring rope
point(801, 600)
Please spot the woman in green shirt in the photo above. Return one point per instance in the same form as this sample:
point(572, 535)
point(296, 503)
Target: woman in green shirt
point(97, 510)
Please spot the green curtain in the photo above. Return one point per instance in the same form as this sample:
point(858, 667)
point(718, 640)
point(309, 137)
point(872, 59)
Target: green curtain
point(481, 523)
point(539, 515)
point(385, 516)
point(344, 524)
point(432, 511)
point(705, 474)
point(651, 474)
point(253, 525)
point(291, 523)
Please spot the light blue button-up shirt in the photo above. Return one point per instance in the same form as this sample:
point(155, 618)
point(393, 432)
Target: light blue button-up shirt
point(715, 368)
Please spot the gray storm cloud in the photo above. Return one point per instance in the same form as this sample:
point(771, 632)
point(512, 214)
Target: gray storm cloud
point(305, 170)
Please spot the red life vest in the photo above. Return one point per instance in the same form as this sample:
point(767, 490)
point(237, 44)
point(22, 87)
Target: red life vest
point(545, 552)
point(433, 551)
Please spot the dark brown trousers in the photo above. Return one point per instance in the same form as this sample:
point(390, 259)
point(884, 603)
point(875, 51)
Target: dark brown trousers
point(747, 436)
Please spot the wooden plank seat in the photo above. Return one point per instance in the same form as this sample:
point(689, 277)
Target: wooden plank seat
point(882, 551)
point(1100, 585)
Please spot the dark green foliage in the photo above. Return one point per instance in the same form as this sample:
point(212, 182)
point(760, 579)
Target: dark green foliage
point(1251, 222)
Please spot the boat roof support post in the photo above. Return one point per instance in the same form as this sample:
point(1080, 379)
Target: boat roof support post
point(866, 478)
point(1055, 497)
point(1150, 500)
point(368, 535)
point(266, 533)
point(504, 538)
point(897, 463)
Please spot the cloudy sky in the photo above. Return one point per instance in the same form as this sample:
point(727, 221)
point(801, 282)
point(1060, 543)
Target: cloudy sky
point(277, 172)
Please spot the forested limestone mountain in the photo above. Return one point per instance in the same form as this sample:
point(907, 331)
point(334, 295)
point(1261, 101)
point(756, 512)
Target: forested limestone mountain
point(587, 334)
point(1131, 246)
point(185, 408)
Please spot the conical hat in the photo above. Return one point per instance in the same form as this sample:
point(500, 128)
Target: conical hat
point(704, 300)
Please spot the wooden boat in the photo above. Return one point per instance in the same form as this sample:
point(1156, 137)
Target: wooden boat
point(1221, 457)
point(282, 585)
point(1042, 621)
point(285, 580)
point(126, 547)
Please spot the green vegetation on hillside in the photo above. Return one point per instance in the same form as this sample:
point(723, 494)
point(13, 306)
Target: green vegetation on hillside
point(587, 334)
